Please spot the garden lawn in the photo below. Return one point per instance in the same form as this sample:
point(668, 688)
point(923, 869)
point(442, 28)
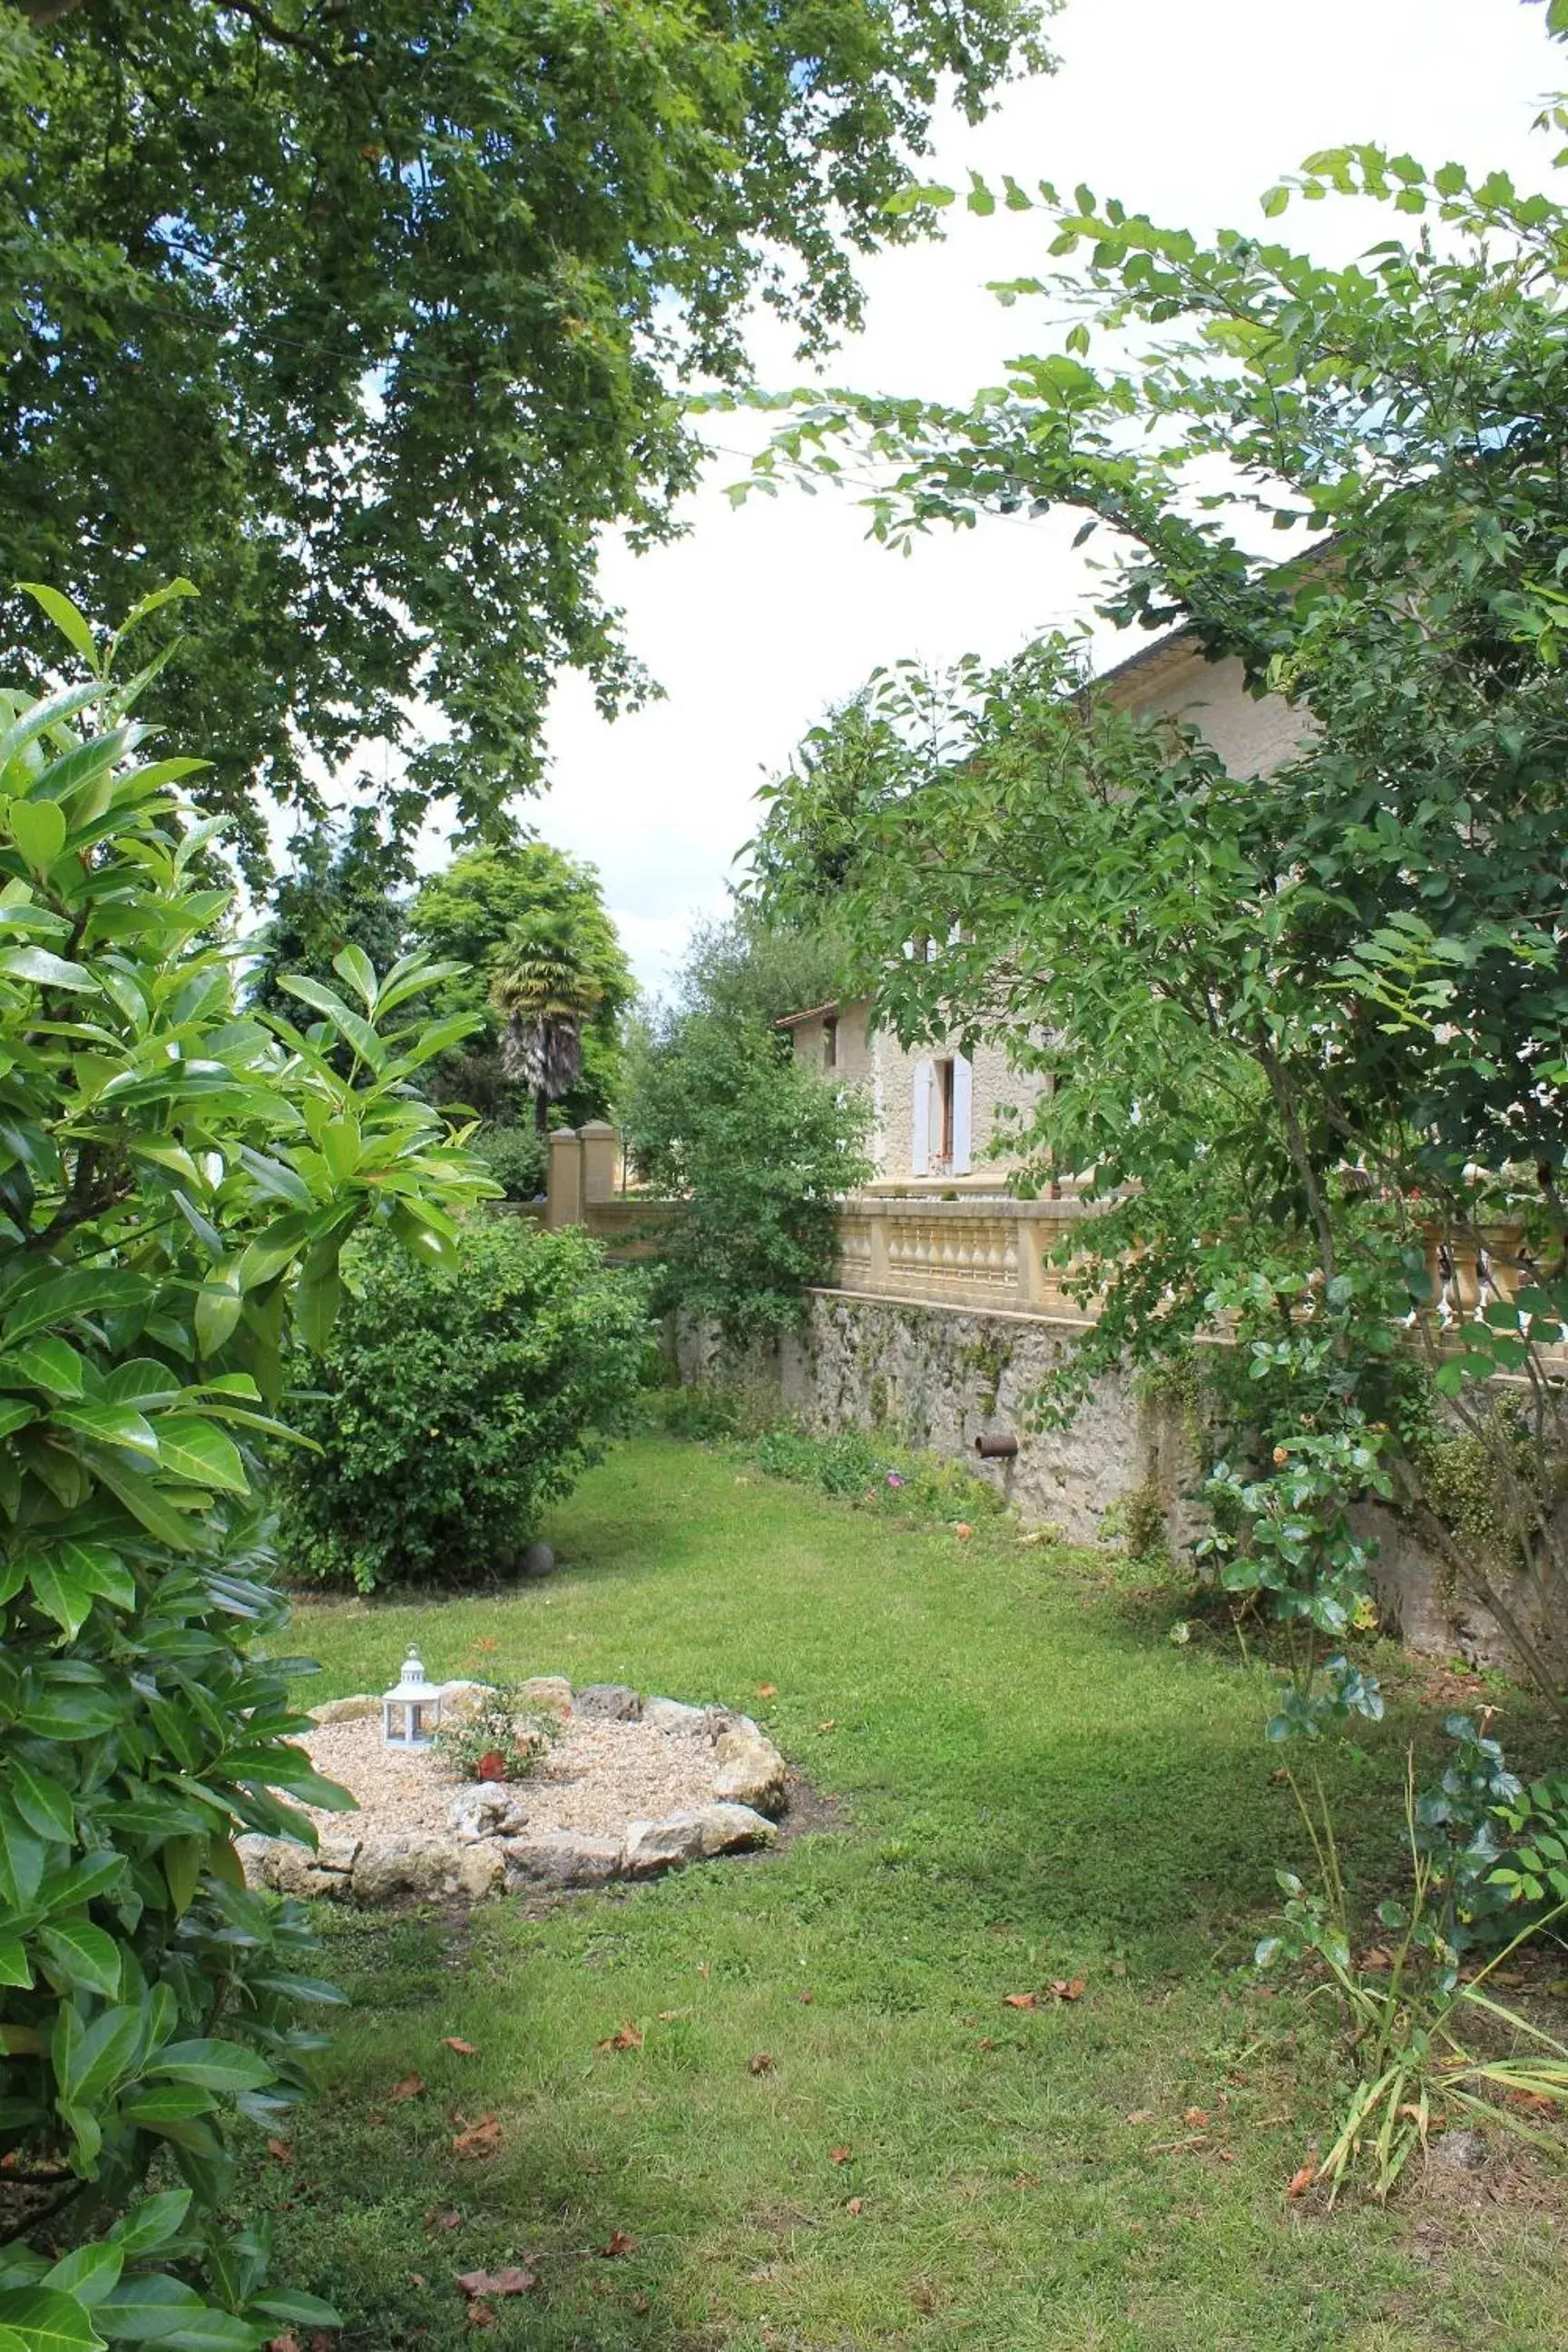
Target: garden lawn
point(834, 2130)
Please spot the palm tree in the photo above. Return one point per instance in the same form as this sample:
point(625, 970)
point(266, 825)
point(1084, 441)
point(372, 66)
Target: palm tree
point(545, 991)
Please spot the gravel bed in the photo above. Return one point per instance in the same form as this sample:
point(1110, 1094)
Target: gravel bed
point(597, 1776)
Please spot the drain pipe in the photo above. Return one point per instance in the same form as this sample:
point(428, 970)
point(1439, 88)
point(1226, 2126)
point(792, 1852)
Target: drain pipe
point(996, 1445)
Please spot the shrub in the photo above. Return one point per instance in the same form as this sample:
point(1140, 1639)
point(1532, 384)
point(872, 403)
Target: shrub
point(451, 1406)
point(504, 1739)
point(177, 1181)
point(516, 1158)
point(761, 1151)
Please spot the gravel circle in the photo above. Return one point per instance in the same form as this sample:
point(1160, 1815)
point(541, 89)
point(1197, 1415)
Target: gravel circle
point(597, 1776)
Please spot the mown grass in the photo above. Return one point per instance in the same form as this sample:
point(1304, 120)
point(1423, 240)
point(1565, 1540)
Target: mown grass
point(1030, 1784)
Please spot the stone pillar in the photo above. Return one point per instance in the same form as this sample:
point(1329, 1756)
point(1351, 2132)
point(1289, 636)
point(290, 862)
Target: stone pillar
point(880, 1273)
point(600, 1158)
point(563, 1205)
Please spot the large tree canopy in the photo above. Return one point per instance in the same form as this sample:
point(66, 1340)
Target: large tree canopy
point(369, 319)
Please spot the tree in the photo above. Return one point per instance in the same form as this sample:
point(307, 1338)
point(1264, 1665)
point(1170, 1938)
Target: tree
point(464, 914)
point(719, 1112)
point(1309, 1017)
point(343, 891)
point(545, 991)
point(372, 319)
point(178, 1181)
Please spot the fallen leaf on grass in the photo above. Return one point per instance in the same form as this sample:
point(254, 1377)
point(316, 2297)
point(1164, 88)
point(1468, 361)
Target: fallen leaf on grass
point(986, 2043)
point(1141, 2115)
point(856, 2205)
point(454, 2041)
point(282, 2150)
point(481, 2315)
point(642, 2304)
point(1196, 2116)
point(619, 2243)
point(1069, 1988)
point(417, 2278)
point(482, 2138)
point(1300, 2182)
point(840, 2154)
point(1020, 2001)
point(443, 2217)
point(1025, 2181)
point(410, 2087)
point(831, 1723)
point(1533, 2103)
point(512, 2279)
point(669, 2016)
point(767, 1690)
point(762, 2063)
point(805, 1999)
point(626, 2036)
point(961, 1529)
point(1225, 2155)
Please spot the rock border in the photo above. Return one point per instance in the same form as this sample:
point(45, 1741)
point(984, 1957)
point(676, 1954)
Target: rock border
point(489, 1850)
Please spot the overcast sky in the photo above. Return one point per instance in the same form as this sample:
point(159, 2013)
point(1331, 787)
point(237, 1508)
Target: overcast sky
point(763, 616)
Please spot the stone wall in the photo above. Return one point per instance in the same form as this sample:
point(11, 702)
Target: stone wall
point(940, 1376)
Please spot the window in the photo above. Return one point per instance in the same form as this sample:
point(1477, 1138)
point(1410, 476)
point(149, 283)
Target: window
point(942, 1126)
point(830, 1043)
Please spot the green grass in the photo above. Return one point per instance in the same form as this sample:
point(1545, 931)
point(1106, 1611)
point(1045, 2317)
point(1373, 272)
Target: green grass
point(1031, 1783)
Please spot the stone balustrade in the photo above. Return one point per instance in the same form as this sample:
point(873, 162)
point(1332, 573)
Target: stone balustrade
point(972, 1252)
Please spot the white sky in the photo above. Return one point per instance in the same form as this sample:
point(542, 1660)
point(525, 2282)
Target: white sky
point(763, 616)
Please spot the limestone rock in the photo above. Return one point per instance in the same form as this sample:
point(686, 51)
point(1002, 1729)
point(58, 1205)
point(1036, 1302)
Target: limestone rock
point(489, 1809)
point(538, 1561)
point(480, 1870)
point(412, 1862)
point(607, 1703)
point(695, 1836)
point(557, 1858)
point(258, 1857)
point(358, 1709)
point(461, 1701)
point(549, 1695)
point(672, 1715)
point(295, 1870)
point(751, 1770)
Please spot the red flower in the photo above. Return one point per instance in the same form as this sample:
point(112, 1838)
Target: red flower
point(492, 1767)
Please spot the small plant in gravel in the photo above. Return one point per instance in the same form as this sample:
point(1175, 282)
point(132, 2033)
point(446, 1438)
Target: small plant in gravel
point(504, 1739)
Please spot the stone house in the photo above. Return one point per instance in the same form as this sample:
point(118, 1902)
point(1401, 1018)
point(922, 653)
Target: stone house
point(934, 1116)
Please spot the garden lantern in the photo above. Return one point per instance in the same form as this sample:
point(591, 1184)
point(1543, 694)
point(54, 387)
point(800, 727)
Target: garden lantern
point(411, 1710)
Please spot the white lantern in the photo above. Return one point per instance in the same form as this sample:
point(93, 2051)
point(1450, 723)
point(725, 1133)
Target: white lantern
point(411, 1710)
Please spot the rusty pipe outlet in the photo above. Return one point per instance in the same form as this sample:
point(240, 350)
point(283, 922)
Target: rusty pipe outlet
point(996, 1445)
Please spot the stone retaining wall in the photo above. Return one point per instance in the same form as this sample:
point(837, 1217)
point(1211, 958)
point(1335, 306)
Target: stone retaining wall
point(940, 1376)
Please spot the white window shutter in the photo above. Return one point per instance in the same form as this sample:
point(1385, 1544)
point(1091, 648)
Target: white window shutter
point(962, 1114)
point(919, 1121)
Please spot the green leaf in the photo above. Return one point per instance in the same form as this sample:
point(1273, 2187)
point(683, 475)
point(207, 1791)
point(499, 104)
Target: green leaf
point(15, 1967)
point(110, 1424)
point(88, 2273)
point(48, 2321)
point(196, 1450)
point(21, 1858)
point(38, 830)
point(292, 2303)
point(46, 1362)
point(1275, 202)
point(59, 1595)
point(219, 1304)
point(83, 1955)
point(42, 968)
point(72, 624)
point(44, 1804)
point(152, 2224)
point(211, 2065)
